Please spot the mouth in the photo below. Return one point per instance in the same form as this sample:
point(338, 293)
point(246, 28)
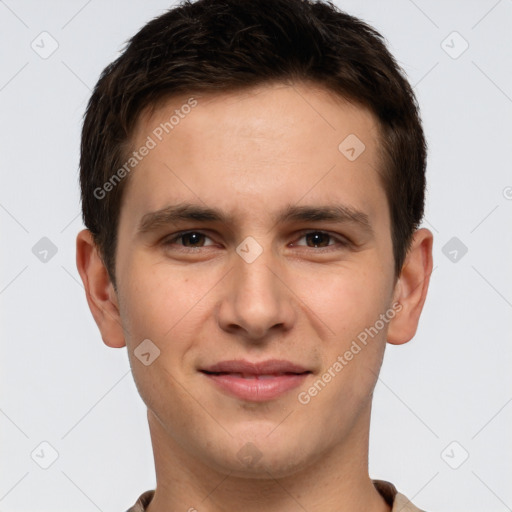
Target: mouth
point(256, 382)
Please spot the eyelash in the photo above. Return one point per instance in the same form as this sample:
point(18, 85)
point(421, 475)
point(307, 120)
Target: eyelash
point(342, 241)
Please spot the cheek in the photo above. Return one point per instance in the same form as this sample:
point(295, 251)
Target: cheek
point(158, 306)
point(166, 306)
point(347, 299)
point(157, 300)
point(350, 303)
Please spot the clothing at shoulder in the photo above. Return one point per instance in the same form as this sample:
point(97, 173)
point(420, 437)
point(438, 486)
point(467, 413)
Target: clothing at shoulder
point(392, 497)
point(387, 490)
point(142, 502)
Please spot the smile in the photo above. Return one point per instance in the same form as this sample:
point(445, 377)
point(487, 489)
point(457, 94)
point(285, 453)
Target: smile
point(256, 382)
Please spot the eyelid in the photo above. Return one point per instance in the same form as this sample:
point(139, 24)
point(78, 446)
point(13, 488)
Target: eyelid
point(176, 236)
point(339, 238)
point(342, 240)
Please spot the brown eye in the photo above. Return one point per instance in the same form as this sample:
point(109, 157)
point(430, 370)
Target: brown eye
point(318, 239)
point(189, 239)
point(193, 239)
point(321, 240)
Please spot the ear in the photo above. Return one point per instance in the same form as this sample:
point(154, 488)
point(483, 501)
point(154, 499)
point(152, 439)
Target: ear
point(99, 290)
point(411, 288)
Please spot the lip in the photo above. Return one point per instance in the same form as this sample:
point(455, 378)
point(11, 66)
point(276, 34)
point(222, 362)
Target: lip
point(256, 381)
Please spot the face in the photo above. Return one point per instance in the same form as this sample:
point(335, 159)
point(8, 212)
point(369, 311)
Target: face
point(255, 253)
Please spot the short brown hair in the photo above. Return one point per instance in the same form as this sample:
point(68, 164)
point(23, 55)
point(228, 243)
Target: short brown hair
point(224, 45)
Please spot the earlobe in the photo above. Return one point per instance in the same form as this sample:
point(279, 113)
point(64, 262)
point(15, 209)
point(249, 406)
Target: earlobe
point(99, 290)
point(411, 288)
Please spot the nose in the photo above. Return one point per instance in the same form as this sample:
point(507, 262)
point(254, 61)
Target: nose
point(256, 303)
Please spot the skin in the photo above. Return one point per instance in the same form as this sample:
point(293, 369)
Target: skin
point(251, 154)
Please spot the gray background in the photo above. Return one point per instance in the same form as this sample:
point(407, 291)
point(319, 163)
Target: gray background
point(444, 396)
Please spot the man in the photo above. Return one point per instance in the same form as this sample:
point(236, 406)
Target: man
point(253, 180)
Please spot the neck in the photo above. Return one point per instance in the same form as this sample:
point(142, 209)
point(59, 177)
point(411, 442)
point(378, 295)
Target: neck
point(337, 481)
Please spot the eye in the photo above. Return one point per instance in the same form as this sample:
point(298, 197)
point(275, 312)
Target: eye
point(321, 239)
point(189, 239)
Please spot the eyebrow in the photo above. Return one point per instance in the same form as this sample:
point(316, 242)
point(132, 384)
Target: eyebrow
point(292, 213)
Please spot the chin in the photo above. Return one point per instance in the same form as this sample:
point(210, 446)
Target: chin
point(260, 456)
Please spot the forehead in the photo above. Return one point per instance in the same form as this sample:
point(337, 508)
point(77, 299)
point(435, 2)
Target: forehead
point(256, 148)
